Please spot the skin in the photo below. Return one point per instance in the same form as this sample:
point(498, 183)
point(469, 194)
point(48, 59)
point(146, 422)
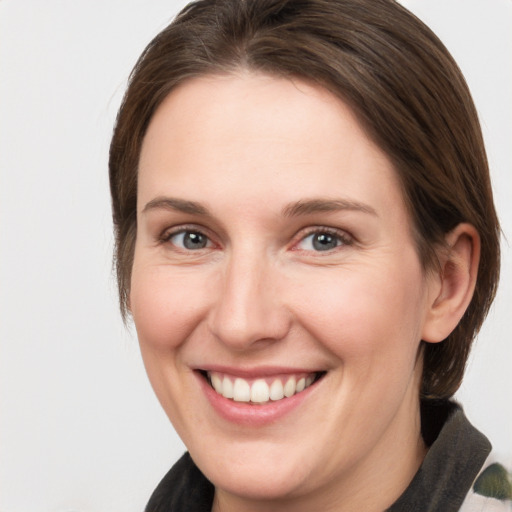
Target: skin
point(246, 147)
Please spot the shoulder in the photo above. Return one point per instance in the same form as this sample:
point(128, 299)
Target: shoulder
point(183, 488)
point(492, 489)
point(476, 503)
point(457, 451)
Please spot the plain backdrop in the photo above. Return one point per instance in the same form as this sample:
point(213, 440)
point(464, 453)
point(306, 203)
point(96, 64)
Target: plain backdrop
point(80, 429)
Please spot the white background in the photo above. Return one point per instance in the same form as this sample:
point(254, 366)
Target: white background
point(80, 429)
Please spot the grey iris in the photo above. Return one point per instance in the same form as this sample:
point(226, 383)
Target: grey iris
point(193, 240)
point(324, 242)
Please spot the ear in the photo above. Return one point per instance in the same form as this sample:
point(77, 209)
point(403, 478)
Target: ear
point(451, 289)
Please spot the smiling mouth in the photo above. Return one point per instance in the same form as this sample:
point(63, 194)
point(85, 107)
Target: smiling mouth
point(260, 391)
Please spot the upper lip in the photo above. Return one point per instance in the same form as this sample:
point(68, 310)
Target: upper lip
point(255, 372)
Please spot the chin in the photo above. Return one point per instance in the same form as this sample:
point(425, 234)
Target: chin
point(260, 481)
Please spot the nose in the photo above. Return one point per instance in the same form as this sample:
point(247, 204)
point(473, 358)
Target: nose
point(248, 312)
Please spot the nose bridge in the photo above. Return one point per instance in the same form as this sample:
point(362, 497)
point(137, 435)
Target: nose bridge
point(247, 308)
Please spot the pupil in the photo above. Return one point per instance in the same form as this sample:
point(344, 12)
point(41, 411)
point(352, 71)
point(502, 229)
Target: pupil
point(324, 242)
point(194, 241)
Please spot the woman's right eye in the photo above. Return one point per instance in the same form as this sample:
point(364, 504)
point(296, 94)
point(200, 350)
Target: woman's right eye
point(189, 240)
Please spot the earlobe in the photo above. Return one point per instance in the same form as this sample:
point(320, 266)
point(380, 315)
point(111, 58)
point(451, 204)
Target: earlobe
point(455, 284)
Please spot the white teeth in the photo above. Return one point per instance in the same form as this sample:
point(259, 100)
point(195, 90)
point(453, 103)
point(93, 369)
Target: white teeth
point(289, 387)
point(259, 391)
point(241, 391)
point(216, 383)
point(227, 388)
point(276, 390)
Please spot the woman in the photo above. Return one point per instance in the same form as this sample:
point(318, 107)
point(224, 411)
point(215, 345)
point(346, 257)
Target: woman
point(307, 243)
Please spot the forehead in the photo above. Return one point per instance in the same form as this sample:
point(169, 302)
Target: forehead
point(262, 137)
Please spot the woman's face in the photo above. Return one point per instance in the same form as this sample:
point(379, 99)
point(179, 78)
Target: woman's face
point(274, 253)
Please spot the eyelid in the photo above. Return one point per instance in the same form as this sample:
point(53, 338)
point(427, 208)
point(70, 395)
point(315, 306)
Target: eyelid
point(168, 233)
point(345, 237)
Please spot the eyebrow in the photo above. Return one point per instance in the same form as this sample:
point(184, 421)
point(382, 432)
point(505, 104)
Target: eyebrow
point(298, 208)
point(174, 204)
point(308, 207)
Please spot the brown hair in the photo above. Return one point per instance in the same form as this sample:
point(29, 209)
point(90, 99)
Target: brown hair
point(395, 74)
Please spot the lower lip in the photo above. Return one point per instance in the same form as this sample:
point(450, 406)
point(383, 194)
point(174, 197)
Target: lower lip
point(244, 413)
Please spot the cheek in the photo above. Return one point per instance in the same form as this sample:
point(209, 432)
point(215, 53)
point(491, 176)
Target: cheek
point(166, 307)
point(367, 315)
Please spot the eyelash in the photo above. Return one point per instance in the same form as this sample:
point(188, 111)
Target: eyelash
point(167, 236)
point(343, 238)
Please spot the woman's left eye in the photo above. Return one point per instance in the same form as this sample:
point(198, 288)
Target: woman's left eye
point(189, 240)
point(322, 241)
